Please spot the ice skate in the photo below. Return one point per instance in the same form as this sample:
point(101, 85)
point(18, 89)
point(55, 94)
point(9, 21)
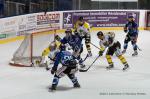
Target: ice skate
point(110, 66)
point(52, 88)
point(126, 66)
point(76, 85)
point(135, 53)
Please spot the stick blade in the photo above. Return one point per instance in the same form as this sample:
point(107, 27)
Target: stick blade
point(82, 70)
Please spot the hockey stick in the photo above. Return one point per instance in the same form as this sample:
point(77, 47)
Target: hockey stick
point(85, 57)
point(81, 70)
point(95, 46)
point(99, 48)
point(139, 48)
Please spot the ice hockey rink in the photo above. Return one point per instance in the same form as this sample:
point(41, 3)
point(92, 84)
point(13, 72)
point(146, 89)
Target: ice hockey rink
point(97, 83)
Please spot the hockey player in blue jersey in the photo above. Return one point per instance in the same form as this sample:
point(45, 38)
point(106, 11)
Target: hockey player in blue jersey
point(75, 41)
point(131, 28)
point(69, 68)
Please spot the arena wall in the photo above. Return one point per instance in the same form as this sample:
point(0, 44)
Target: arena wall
point(13, 28)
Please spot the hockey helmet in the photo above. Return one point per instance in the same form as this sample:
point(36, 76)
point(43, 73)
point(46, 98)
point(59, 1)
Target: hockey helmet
point(52, 46)
point(81, 21)
point(68, 30)
point(100, 35)
point(80, 18)
point(131, 18)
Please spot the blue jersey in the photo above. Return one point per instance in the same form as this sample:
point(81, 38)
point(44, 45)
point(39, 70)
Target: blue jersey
point(75, 41)
point(132, 28)
point(63, 57)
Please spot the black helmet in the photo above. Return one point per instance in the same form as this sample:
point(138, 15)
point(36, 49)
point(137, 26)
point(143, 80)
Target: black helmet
point(100, 33)
point(81, 18)
point(130, 16)
point(68, 31)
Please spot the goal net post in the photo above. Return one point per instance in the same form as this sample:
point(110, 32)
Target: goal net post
point(31, 48)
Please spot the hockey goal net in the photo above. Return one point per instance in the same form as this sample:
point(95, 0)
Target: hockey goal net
point(31, 48)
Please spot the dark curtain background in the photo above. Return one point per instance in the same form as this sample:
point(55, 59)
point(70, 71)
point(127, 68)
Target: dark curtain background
point(1, 8)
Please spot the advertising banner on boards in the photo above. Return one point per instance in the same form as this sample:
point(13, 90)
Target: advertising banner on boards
point(148, 19)
point(49, 20)
point(8, 27)
point(100, 18)
point(26, 24)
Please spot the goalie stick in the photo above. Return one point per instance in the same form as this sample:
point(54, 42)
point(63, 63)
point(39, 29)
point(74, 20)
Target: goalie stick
point(85, 70)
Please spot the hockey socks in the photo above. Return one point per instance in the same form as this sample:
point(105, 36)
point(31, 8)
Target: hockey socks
point(124, 62)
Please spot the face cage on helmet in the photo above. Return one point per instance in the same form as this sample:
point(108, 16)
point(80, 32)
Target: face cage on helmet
point(52, 48)
point(67, 32)
point(100, 36)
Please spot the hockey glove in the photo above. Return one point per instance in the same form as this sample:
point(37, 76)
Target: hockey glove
point(53, 70)
point(100, 53)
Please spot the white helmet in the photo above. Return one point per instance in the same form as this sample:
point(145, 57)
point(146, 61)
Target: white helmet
point(52, 46)
point(52, 55)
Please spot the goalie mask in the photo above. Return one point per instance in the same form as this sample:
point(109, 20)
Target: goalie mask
point(52, 46)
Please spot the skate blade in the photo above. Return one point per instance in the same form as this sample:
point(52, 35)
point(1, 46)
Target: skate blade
point(50, 90)
point(134, 55)
point(109, 68)
point(126, 69)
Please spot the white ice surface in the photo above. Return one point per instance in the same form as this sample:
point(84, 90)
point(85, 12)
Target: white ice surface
point(33, 83)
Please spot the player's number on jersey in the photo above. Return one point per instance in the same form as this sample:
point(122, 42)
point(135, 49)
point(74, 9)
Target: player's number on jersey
point(66, 58)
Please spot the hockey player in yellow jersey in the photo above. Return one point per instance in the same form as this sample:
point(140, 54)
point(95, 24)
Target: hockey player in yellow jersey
point(107, 41)
point(47, 54)
point(53, 46)
point(83, 29)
